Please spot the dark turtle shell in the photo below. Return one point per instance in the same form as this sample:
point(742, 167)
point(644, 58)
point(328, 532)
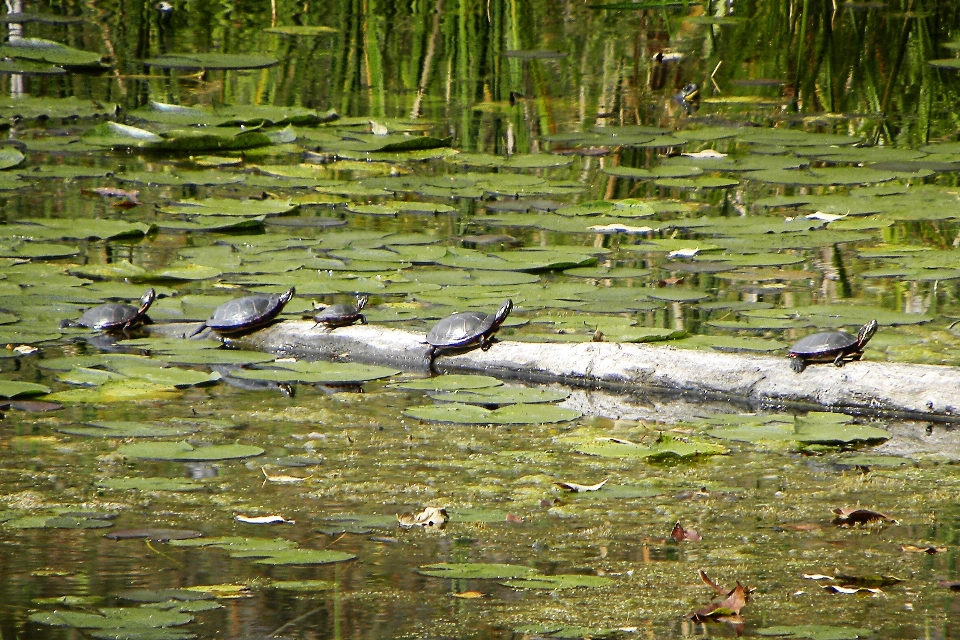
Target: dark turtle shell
point(468, 327)
point(825, 344)
point(831, 346)
point(248, 312)
point(342, 315)
point(115, 316)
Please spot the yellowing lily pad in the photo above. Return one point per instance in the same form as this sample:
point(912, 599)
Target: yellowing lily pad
point(185, 452)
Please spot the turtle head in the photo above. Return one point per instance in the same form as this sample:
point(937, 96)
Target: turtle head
point(287, 295)
point(866, 332)
point(362, 299)
point(147, 299)
point(502, 313)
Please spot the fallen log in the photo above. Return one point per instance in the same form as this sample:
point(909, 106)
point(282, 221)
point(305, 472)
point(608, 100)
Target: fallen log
point(914, 391)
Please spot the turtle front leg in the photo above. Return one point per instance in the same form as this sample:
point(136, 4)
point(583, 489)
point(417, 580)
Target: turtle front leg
point(363, 319)
point(486, 343)
point(838, 361)
point(798, 364)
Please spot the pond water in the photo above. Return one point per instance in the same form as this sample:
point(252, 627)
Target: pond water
point(727, 176)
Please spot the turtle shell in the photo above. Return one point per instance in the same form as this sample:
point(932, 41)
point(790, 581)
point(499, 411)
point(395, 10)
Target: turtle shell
point(341, 315)
point(248, 312)
point(113, 316)
point(464, 328)
point(460, 329)
point(825, 344)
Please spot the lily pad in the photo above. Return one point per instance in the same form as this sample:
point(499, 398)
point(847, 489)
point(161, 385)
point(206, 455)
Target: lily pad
point(477, 571)
point(815, 632)
point(125, 429)
point(450, 382)
point(305, 557)
point(150, 484)
point(14, 389)
point(664, 447)
point(185, 452)
point(560, 581)
point(502, 395)
point(200, 61)
point(510, 414)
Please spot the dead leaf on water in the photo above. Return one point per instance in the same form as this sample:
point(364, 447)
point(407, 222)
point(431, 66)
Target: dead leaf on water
point(514, 519)
point(430, 517)
point(468, 595)
point(580, 488)
point(847, 517)
point(950, 584)
point(281, 478)
point(728, 610)
point(679, 534)
point(910, 548)
point(274, 519)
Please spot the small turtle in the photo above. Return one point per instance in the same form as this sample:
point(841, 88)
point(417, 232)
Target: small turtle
point(114, 316)
point(248, 312)
point(831, 346)
point(342, 315)
point(467, 329)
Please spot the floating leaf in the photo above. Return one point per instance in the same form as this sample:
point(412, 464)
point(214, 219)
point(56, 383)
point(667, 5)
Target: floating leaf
point(816, 632)
point(511, 414)
point(200, 61)
point(185, 452)
point(450, 382)
point(14, 389)
point(666, 446)
point(150, 484)
point(477, 571)
point(569, 581)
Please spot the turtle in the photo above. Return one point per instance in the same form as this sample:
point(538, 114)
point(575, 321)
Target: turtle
point(342, 315)
point(831, 346)
point(114, 316)
point(248, 312)
point(467, 329)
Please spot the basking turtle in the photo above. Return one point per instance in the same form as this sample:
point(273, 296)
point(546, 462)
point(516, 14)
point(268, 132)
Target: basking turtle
point(342, 315)
point(248, 312)
point(831, 346)
point(467, 329)
point(114, 316)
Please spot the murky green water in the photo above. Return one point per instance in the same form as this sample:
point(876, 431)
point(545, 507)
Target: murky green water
point(474, 152)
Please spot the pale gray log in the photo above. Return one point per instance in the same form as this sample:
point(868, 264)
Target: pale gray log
point(924, 391)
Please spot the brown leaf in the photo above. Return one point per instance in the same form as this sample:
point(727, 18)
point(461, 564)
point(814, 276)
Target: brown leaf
point(467, 595)
point(847, 517)
point(950, 584)
point(710, 583)
point(679, 534)
point(432, 517)
point(514, 519)
point(909, 548)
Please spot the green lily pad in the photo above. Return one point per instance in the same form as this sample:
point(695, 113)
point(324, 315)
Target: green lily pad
point(561, 581)
point(501, 395)
point(477, 571)
point(200, 61)
point(126, 618)
point(150, 484)
point(57, 522)
point(305, 556)
point(665, 447)
point(185, 452)
point(229, 207)
point(14, 389)
point(815, 632)
point(302, 585)
point(125, 429)
point(510, 414)
point(317, 372)
point(41, 50)
point(450, 382)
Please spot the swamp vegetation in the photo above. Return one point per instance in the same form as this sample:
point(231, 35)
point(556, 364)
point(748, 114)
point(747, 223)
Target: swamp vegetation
point(717, 175)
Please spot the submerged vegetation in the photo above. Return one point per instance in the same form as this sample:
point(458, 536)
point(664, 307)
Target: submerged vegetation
point(729, 176)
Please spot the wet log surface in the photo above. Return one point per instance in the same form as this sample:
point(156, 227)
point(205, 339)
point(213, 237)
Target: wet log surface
point(908, 390)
